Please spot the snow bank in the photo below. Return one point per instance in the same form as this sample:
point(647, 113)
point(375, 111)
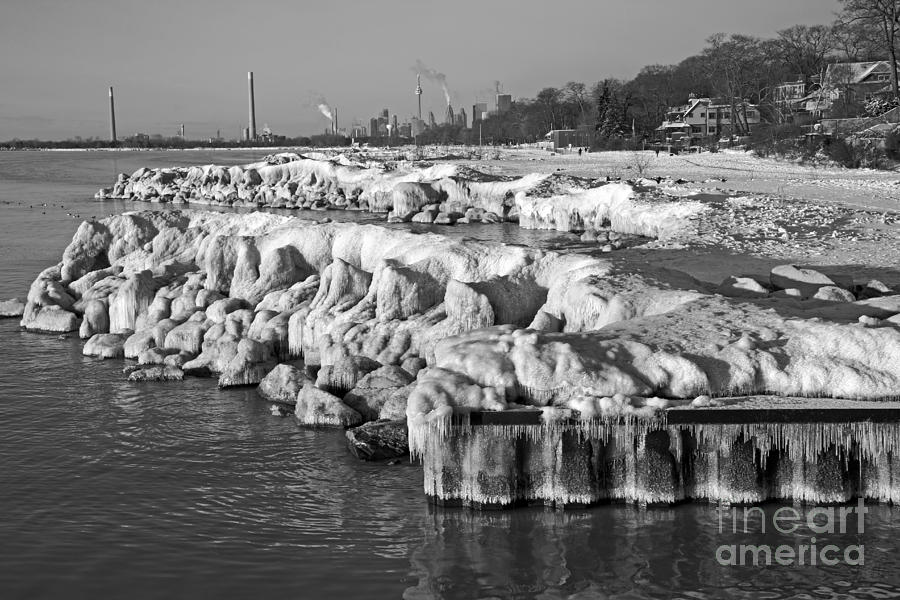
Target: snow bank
point(610, 206)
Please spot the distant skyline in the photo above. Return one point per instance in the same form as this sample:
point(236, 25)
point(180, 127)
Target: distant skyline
point(174, 62)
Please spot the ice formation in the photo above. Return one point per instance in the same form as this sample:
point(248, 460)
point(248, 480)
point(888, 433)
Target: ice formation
point(647, 461)
point(441, 193)
point(437, 331)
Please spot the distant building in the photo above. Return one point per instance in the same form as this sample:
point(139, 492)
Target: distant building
point(848, 86)
point(504, 103)
point(703, 117)
point(449, 117)
point(789, 99)
point(479, 111)
point(418, 126)
point(358, 131)
point(138, 139)
point(574, 138)
point(431, 121)
point(373, 126)
point(461, 119)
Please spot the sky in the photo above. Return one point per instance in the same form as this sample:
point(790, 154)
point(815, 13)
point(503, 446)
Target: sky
point(186, 61)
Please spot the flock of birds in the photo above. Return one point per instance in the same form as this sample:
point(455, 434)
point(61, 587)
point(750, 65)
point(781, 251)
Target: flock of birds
point(45, 206)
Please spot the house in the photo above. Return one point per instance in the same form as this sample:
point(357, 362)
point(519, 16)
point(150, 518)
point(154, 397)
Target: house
point(703, 117)
point(847, 86)
point(570, 138)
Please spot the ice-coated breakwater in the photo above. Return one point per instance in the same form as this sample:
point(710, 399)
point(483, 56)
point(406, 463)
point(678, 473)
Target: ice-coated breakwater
point(405, 191)
point(496, 460)
point(422, 331)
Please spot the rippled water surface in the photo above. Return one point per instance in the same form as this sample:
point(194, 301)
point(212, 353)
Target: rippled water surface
point(115, 489)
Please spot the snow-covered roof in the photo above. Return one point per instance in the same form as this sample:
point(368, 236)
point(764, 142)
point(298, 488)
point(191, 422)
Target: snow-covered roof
point(853, 72)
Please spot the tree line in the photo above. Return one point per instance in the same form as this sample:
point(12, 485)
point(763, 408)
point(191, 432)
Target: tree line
point(735, 67)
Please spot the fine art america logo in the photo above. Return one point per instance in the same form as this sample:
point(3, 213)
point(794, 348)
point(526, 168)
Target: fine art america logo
point(788, 521)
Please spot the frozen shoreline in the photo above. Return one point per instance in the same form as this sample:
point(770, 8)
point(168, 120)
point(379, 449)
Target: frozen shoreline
point(420, 327)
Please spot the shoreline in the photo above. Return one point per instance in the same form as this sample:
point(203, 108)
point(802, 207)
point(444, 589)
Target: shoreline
point(414, 328)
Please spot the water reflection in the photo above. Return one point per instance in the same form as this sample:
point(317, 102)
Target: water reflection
point(620, 551)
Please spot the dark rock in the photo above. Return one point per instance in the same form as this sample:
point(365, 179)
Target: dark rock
point(379, 440)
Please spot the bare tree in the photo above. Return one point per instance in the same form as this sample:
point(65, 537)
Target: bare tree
point(804, 49)
point(576, 93)
point(883, 16)
point(856, 41)
point(738, 68)
point(549, 99)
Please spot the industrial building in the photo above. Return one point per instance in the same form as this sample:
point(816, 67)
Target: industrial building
point(570, 138)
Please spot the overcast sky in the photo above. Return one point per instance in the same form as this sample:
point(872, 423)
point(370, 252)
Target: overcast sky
point(186, 61)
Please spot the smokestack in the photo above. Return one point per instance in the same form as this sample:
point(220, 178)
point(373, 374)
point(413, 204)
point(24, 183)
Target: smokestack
point(112, 116)
point(419, 94)
point(252, 133)
point(335, 121)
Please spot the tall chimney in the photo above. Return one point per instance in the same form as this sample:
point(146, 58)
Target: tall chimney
point(419, 93)
point(252, 134)
point(112, 116)
point(335, 121)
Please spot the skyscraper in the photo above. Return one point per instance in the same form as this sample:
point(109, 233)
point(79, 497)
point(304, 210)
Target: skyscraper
point(504, 103)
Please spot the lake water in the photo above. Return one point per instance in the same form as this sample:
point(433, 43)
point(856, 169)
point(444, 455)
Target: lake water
point(115, 489)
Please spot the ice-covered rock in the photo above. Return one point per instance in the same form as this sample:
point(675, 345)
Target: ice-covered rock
point(251, 362)
point(317, 407)
point(832, 293)
point(742, 287)
point(155, 356)
point(808, 281)
point(14, 307)
point(282, 384)
point(187, 336)
point(133, 297)
point(344, 375)
point(395, 406)
point(106, 345)
point(371, 392)
point(613, 205)
point(138, 343)
point(49, 319)
point(95, 319)
point(157, 373)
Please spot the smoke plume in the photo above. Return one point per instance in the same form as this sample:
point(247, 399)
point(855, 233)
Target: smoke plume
point(317, 100)
point(433, 75)
point(326, 110)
